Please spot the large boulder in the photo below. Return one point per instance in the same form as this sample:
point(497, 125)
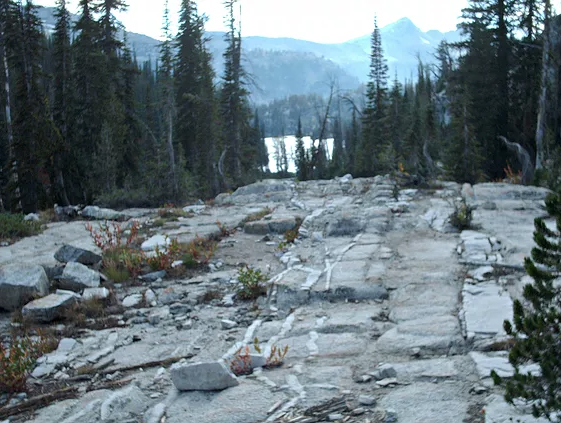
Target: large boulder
point(98, 213)
point(48, 308)
point(20, 284)
point(213, 376)
point(68, 254)
point(77, 277)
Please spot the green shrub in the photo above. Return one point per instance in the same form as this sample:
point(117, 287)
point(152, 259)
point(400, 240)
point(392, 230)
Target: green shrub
point(251, 283)
point(12, 226)
point(462, 216)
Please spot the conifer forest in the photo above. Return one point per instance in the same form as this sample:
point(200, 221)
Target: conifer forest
point(83, 122)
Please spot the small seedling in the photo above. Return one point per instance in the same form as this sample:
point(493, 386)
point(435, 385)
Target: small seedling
point(251, 283)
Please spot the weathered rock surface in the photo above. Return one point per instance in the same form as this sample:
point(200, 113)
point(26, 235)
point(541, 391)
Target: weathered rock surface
point(381, 304)
point(48, 308)
point(77, 277)
point(68, 253)
point(19, 284)
point(202, 377)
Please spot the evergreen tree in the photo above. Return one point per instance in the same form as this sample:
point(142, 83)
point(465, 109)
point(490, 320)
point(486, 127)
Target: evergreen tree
point(61, 106)
point(195, 100)
point(537, 322)
point(168, 101)
point(234, 109)
point(86, 104)
point(338, 161)
point(301, 155)
point(7, 140)
point(33, 129)
point(374, 128)
point(486, 66)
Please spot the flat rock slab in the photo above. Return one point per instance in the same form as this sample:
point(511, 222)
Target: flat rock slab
point(428, 402)
point(501, 191)
point(48, 308)
point(77, 277)
point(68, 253)
point(437, 368)
point(485, 308)
point(433, 334)
point(498, 410)
point(213, 376)
point(498, 361)
point(39, 249)
point(246, 403)
point(20, 283)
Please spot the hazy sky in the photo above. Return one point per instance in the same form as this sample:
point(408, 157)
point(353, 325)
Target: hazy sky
point(327, 21)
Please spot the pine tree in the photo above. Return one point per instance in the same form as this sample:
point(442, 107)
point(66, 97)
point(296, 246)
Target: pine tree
point(33, 128)
point(338, 161)
point(196, 131)
point(168, 101)
point(301, 158)
point(374, 129)
point(487, 69)
point(6, 149)
point(234, 109)
point(61, 105)
point(88, 108)
point(537, 322)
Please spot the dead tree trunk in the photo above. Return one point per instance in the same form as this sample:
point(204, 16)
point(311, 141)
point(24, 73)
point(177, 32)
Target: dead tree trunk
point(524, 159)
point(13, 171)
point(542, 106)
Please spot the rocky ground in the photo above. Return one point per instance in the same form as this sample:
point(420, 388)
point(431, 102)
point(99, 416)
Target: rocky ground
point(389, 314)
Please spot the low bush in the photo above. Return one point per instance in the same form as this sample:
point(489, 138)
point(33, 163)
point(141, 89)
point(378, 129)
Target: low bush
point(462, 216)
point(198, 252)
point(13, 227)
point(164, 258)
point(18, 360)
point(251, 284)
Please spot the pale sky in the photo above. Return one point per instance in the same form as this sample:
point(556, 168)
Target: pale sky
point(324, 21)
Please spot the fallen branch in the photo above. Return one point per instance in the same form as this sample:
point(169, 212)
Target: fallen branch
point(109, 385)
point(38, 402)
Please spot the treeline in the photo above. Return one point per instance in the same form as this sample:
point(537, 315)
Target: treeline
point(488, 109)
point(83, 122)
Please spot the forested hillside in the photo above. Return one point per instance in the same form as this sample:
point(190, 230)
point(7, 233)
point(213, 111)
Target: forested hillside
point(82, 121)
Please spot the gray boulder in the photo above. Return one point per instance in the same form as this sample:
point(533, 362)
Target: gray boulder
point(68, 254)
point(48, 308)
point(95, 294)
point(214, 376)
point(98, 213)
point(20, 284)
point(77, 277)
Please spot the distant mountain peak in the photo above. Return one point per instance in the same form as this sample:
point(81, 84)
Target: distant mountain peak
point(403, 25)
